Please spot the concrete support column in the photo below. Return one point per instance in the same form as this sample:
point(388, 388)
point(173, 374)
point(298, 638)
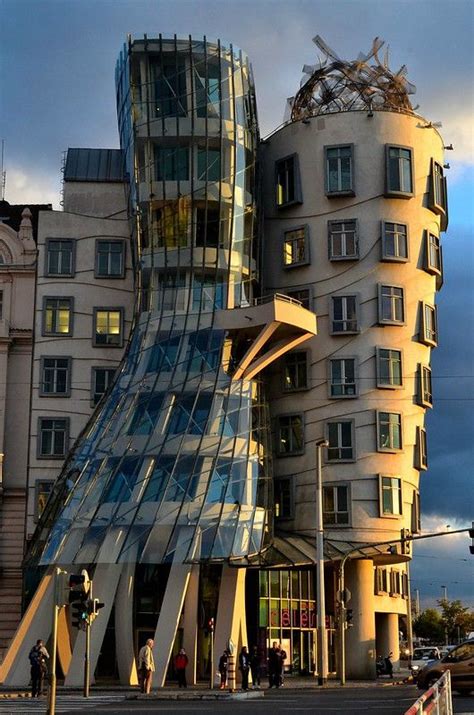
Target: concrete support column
point(124, 648)
point(360, 639)
point(231, 621)
point(106, 578)
point(388, 637)
point(190, 624)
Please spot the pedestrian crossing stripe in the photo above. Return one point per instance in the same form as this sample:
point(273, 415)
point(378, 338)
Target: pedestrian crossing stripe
point(64, 704)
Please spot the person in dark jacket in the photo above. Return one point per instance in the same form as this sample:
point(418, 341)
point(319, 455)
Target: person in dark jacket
point(273, 667)
point(255, 667)
point(223, 665)
point(244, 667)
point(37, 657)
point(180, 663)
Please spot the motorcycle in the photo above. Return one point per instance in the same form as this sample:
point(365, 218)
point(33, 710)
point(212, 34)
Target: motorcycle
point(383, 666)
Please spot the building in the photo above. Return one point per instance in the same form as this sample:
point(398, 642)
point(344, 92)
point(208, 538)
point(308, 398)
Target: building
point(18, 227)
point(172, 495)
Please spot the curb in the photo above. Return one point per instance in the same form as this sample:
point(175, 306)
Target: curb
point(196, 695)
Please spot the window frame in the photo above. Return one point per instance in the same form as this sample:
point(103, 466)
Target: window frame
point(67, 429)
point(390, 449)
point(291, 488)
point(67, 392)
point(293, 452)
point(339, 460)
point(424, 337)
point(94, 371)
point(55, 333)
point(330, 362)
point(306, 259)
point(421, 449)
point(298, 195)
point(339, 192)
point(345, 256)
point(397, 258)
point(398, 193)
point(287, 355)
point(435, 270)
point(110, 276)
point(335, 524)
point(438, 198)
point(160, 158)
point(47, 272)
point(339, 296)
point(416, 512)
point(383, 385)
point(38, 484)
point(425, 386)
point(390, 515)
point(393, 320)
point(101, 309)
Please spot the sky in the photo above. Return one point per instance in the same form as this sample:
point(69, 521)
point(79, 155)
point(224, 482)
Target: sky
point(57, 60)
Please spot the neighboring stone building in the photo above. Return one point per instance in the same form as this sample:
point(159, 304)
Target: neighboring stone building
point(169, 494)
point(17, 299)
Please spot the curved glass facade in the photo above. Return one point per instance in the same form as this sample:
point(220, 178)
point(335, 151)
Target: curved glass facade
point(172, 465)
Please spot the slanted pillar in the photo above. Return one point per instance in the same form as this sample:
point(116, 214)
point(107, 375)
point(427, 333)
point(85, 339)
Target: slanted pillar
point(231, 621)
point(124, 645)
point(360, 639)
point(190, 624)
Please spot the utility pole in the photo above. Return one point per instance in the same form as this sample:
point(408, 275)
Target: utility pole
point(409, 618)
point(417, 602)
point(320, 586)
point(87, 654)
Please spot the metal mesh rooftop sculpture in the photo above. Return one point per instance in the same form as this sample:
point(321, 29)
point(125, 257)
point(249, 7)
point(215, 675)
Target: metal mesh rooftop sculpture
point(335, 85)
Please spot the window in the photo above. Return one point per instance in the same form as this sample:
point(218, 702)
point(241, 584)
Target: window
point(296, 247)
point(344, 314)
point(429, 325)
point(341, 441)
point(146, 411)
point(434, 257)
point(208, 292)
point(381, 581)
point(399, 168)
point(43, 489)
point(288, 187)
point(207, 88)
point(190, 414)
point(342, 377)
point(343, 240)
point(60, 257)
point(416, 513)
point(336, 506)
point(425, 389)
point(53, 437)
point(421, 449)
point(295, 371)
point(171, 224)
point(109, 259)
point(389, 430)
point(204, 350)
point(301, 294)
point(171, 293)
point(209, 165)
point(283, 498)
point(394, 241)
point(57, 316)
point(207, 227)
point(290, 439)
point(169, 77)
point(101, 380)
point(120, 488)
point(389, 367)
point(163, 356)
point(55, 376)
point(390, 496)
point(395, 583)
point(108, 327)
point(172, 163)
point(438, 201)
point(391, 305)
point(339, 175)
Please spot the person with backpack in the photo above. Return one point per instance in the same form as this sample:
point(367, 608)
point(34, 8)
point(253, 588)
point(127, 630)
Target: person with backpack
point(180, 663)
point(38, 656)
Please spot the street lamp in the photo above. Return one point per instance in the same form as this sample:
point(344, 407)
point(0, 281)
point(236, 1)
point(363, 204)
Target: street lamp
point(320, 591)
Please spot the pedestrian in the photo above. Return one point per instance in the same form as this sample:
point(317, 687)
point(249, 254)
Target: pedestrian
point(255, 667)
point(282, 658)
point(38, 656)
point(244, 667)
point(146, 666)
point(223, 666)
point(180, 663)
point(273, 658)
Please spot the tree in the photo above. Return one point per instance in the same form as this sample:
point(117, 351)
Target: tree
point(458, 620)
point(429, 625)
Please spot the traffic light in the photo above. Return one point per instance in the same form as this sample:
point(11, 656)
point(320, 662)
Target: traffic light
point(406, 541)
point(79, 587)
point(349, 616)
point(210, 625)
point(93, 608)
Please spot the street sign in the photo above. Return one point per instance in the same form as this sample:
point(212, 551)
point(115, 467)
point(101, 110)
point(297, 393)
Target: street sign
point(343, 596)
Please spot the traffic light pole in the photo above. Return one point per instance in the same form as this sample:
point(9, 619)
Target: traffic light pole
point(341, 585)
point(87, 655)
point(54, 646)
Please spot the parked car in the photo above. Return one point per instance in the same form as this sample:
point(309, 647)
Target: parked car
point(423, 656)
point(460, 661)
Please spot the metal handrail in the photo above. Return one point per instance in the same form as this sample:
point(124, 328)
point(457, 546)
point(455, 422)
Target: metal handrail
point(438, 698)
point(279, 296)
